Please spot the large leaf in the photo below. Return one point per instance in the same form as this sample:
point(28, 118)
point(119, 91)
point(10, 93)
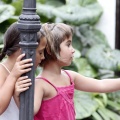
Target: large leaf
point(107, 114)
point(85, 68)
point(78, 15)
point(85, 105)
point(18, 6)
point(103, 57)
point(74, 14)
point(105, 73)
point(90, 36)
point(114, 96)
point(80, 2)
point(76, 43)
point(6, 11)
point(113, 105)
point(96, 116)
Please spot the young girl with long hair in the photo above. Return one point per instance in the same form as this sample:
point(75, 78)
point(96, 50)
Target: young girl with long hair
point(12, 68)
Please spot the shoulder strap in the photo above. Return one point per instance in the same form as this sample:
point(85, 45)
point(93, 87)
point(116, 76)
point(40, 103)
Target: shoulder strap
point(39, 77)
point(5, 67)
point(68, 76)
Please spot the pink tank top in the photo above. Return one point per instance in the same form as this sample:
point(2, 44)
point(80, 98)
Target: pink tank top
point(60, 107)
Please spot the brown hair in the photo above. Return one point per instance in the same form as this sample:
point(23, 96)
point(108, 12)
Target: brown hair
point(12, 39)
point(55, 34)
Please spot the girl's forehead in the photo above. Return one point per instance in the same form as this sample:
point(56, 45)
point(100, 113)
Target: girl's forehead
point(43, 43)
point(69, 38)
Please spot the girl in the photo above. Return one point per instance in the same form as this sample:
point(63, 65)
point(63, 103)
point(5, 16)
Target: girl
point(54, 87)
point(20, 85)
point(12, 69)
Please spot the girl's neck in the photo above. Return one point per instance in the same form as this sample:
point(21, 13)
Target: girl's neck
point(10, 61)
point(52, 68)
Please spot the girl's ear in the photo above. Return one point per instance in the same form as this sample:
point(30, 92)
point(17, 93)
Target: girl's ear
point(48, 50)
point(20, 50)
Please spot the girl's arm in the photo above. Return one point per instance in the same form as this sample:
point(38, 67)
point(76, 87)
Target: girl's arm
point(6, 91)
point(7, 83)
point(38, 95)
point(94, 85)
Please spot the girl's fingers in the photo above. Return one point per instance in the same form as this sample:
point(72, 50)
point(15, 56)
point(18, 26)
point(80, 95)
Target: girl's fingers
point(24, 81)
point(26, 65)
point(22, 90)
point(25, 85)
point(26, 70)
point(22, 78)
point(22, 62)
point(20, 57)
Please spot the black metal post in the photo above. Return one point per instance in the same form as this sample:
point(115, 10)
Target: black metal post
point(117, 31)
point(29, 25)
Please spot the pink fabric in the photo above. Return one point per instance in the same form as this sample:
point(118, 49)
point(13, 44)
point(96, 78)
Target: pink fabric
point(60, 107)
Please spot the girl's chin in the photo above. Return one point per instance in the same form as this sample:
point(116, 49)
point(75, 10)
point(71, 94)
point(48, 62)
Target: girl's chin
point(68, 64)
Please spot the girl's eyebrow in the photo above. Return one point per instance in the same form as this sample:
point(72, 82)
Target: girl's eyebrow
point(69, 40)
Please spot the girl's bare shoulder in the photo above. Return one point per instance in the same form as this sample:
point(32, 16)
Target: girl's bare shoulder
point(40, 82)
point(71, 73)
point(3, 75)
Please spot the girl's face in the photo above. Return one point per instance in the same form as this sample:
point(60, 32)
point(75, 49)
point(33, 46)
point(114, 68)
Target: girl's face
point(40, 51)
point(66, 51)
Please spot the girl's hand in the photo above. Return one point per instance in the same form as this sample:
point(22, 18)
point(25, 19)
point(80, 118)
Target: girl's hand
point(21, 66)
point(22, 85)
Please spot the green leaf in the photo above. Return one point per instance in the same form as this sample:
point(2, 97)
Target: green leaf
point(114, 105)
point(87, 14)
point(18, 6)
point(104, 73)
point(6, 11)
point(85, 105)
point(108, 114)
point(80, 2)
point(69, 13)
point(45, 10)
point(103, 112)
point(103, 57)
point(85, 68)
point(76, 43)
point(96, 116)
point(90, 36)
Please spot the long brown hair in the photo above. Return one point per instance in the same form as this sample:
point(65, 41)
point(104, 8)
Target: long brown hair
point(12, 39)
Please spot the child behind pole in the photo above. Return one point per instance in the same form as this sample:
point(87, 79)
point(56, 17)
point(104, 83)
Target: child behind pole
point(54, 87)
point(12, 68)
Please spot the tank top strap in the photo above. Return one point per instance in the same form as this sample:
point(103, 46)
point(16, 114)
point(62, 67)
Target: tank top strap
point(71, 81)
point(5, 67)
point(39, 77)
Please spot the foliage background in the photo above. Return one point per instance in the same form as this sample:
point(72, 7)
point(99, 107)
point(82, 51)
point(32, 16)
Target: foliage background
point(93, 57)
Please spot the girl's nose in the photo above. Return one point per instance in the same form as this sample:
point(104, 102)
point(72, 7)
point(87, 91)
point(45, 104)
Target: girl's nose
point(73, 50)
point(43, 57)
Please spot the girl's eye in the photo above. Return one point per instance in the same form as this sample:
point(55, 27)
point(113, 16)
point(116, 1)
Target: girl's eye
point(40, 53)
point(68, 44)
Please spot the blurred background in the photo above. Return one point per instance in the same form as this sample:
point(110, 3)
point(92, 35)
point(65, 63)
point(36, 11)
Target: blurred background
point(95, 39)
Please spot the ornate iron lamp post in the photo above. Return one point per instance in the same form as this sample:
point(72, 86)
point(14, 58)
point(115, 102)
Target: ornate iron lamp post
point(29, 25)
